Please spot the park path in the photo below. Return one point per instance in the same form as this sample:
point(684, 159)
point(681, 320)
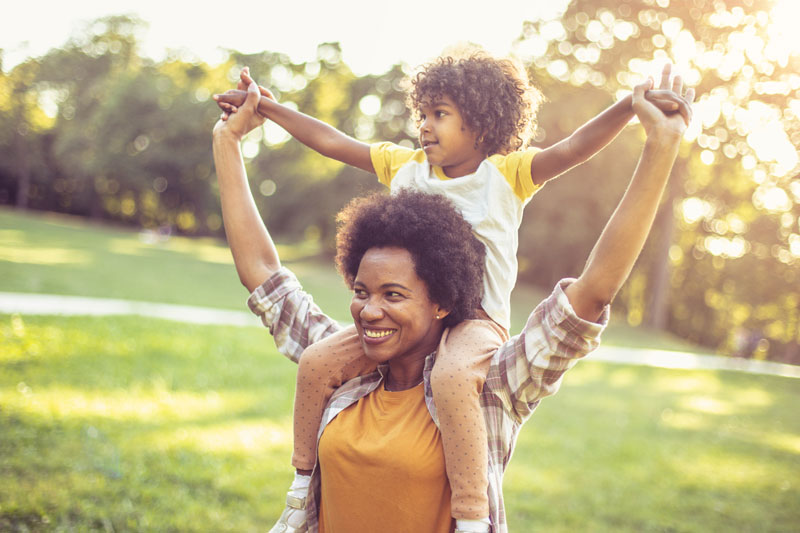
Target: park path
point(51, 304)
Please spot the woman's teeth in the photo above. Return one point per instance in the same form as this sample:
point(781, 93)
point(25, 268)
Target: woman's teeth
point(374, 334)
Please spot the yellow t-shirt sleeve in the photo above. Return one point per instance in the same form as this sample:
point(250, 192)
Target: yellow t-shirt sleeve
point(516, 168)
point(387, 158)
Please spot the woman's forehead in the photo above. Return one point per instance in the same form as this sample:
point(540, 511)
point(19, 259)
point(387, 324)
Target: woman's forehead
point(388, 265)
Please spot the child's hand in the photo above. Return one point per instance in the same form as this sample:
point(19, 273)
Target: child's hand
point(231, 100)
point(666, 99)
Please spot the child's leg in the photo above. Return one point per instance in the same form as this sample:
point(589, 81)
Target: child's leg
point(324, 366)
point(462, 363)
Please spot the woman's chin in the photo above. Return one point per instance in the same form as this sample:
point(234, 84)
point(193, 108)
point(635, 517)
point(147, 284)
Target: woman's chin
point(377, 353)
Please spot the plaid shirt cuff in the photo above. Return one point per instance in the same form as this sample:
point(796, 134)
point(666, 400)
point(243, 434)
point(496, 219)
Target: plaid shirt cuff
point(265, 299)
point(572, 330)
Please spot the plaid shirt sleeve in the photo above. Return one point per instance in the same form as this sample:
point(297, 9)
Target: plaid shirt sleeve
point(530, 365)
point(290, 313)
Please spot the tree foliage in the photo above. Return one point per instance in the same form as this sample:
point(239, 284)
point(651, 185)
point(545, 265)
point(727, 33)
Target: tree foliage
point(95, 129)
point(722, 265)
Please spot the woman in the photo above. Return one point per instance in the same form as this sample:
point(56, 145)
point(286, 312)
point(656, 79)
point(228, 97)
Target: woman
point(370, 475)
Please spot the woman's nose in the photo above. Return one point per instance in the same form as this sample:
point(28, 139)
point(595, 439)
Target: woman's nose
point(371, 311)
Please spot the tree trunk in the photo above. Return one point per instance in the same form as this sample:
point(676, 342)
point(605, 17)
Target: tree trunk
point(24, 170)
point(656, 313)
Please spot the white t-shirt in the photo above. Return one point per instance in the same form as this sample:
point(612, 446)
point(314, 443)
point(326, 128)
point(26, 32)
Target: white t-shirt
point(491, 199)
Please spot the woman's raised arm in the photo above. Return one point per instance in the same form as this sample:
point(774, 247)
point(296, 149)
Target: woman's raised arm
point(622, 240)
point(254, 253)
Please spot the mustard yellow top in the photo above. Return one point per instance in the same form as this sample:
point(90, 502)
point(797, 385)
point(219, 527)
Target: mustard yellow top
point(382, 467)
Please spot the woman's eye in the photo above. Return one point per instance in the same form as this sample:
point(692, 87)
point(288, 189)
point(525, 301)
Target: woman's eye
point(359, 293)
point(394, 295)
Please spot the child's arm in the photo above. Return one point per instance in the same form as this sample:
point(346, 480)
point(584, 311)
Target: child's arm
point(314, 133)
point(593, 136)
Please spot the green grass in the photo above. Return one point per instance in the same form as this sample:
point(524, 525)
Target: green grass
point(130, 424)
point(134, 424)
point(57, 254)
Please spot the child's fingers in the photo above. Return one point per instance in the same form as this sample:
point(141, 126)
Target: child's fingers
point(232, 97)
point(266, 92)
point(664, 100)
point(226, 107)
point(641, 89)
point(639, 92)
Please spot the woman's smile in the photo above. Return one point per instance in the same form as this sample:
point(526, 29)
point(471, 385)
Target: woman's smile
point(391, 307)
point(376, 336)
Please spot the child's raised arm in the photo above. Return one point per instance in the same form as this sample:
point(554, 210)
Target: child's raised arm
point(593, 136)
point(314, 133)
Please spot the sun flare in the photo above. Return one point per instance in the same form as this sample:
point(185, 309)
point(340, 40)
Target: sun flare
point(783, 29)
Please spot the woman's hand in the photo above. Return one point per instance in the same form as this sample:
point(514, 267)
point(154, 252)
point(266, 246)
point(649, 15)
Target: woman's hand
point(230, 100)
point(653, 119)
point(622, 240)
point(665, 98)
point(245, 119)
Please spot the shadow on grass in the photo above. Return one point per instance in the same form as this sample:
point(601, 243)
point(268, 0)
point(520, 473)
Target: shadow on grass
point(643, 449)
point(136, 424)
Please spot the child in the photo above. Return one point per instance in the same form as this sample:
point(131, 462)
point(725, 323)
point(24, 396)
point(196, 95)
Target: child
point(474, 115)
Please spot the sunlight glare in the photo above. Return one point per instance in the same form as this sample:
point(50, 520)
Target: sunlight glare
point(783, 29)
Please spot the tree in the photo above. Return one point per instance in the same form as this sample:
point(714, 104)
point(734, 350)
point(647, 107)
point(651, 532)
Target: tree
point(734, 207)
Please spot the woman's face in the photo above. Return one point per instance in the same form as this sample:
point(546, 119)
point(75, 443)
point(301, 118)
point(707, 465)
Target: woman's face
point(391, 309)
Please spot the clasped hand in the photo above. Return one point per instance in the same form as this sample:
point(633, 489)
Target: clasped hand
point(239, 121)
point(651, 116)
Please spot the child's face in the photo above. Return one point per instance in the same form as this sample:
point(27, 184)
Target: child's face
point(446, 140)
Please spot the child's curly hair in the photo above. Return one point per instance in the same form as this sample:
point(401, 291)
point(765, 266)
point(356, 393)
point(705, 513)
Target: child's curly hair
point(447, 256)
point(494, 96)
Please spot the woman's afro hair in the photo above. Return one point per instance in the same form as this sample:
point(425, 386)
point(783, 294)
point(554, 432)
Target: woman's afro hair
point(446, 254)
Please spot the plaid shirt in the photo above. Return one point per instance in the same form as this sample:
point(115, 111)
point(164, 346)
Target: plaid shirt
point(525, 369)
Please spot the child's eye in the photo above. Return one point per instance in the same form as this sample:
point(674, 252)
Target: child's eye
point(440, 114)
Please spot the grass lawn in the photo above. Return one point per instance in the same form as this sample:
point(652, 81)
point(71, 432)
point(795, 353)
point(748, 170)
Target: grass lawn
point(57, 254)
point(133, 424)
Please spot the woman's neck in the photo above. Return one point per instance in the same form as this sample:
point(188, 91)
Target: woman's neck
point(404, 375)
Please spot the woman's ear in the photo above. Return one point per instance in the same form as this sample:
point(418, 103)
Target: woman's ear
point(441, 313)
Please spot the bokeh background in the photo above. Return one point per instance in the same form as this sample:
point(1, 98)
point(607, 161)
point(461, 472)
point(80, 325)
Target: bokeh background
point(97, 128)
point(108, 189)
